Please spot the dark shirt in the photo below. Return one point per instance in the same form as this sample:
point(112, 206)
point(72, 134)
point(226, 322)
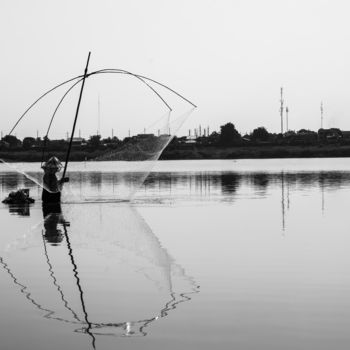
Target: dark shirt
point(51, 183)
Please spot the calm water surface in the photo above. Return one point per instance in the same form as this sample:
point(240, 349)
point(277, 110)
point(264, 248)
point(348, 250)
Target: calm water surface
point(249, 254)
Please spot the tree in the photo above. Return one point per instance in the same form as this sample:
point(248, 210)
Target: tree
point(109, 140)
point(95, 141)
point(213, 138)
point(260, 134)
point(13, 141)
point(229, 135)
point(28, 142)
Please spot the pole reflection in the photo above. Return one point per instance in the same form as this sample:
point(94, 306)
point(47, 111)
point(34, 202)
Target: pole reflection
point(283, 202)
point(56, 233)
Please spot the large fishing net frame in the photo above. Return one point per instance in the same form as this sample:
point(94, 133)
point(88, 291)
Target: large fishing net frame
point(143, 149)
point(78, 79)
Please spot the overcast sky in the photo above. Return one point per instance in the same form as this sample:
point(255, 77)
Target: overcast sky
point(230, 57)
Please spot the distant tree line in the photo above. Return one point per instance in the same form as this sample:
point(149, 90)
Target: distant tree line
point(227, 137)
point(30, 143)
point(230, 137)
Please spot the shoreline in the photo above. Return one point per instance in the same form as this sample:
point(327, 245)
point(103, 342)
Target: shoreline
point(198, 152)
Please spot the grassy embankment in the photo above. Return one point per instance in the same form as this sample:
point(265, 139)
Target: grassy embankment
point(256, 152)
point(198, 152)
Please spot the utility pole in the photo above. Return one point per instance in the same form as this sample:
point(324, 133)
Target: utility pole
point(281, 110)
point(287, 111)
point(321, 108)
point(99, 116)
point(112, 133)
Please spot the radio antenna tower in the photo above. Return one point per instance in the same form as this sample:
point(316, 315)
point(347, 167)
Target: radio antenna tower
point(287, 111)
point(321, 108)
point(281, 110)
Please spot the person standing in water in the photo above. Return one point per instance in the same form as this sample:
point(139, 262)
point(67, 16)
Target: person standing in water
point(52, 186)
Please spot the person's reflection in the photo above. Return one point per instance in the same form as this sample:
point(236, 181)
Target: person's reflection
point(53, 219)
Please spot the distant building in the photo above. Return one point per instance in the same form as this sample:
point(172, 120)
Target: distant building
point(182, 139)
point(144, 136)
point(191, 139)
point(77, 141)
point(332, 134)
point(164, 136)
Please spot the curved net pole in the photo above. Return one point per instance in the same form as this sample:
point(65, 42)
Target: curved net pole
point(37, 100)
point(28, 295)
point(120, 71)
point(55, 282)
point(111, 70)
point(53, 116)
point(167, 87)
point(149, 79)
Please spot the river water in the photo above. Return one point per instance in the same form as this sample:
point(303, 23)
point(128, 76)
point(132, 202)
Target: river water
point(246, 254)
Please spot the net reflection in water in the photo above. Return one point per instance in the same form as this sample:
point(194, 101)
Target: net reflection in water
point(99, 267)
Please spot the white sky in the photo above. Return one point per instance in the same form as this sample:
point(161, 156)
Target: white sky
point(230, 57)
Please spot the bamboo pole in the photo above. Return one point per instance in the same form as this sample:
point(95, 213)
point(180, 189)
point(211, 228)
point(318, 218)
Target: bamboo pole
point(76, 118)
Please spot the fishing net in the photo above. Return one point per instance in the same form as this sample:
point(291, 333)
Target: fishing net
point(130, 155)
point(125, 166)
point(127, 162)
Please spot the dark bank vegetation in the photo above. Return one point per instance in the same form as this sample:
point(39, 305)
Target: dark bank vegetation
point(228, 143)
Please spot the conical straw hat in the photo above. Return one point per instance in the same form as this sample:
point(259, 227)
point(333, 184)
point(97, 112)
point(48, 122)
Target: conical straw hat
point(52, 164)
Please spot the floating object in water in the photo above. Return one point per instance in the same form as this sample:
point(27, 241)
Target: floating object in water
point(19, 197)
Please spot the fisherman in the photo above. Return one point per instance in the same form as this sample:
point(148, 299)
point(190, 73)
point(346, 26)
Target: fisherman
point(52, 186)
